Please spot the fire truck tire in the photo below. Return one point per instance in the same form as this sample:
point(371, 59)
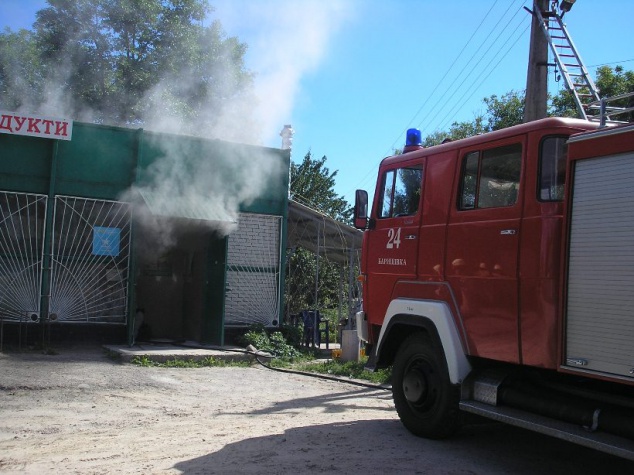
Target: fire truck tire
point(425, 399)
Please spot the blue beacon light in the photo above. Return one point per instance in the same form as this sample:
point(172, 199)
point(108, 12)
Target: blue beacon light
point(413, 138)
point(412, 141)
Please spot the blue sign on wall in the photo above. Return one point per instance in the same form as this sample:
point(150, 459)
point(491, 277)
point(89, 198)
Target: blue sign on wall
point(105, 241)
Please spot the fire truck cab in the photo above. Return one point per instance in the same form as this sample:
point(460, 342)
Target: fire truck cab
point(464, 270)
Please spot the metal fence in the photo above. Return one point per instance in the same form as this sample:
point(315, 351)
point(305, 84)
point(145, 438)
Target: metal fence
point(89, 255)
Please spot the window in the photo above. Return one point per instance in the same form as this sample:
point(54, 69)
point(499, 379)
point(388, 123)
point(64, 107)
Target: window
point(470, 181)
point(400, 192)
point(491, 178)
point(552, 168)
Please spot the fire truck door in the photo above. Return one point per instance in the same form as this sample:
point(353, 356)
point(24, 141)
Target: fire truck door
point(482, 250)
point(393, 241)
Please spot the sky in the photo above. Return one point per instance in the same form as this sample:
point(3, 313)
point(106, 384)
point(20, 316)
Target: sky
point(351, 76)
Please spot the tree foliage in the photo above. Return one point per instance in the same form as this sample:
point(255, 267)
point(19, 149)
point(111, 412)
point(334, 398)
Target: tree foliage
point(505, 111)
point(457, 130)
point(125, 61)
point(609, 81)
point(21, 74)
point(305, 289)
point(508, 109)
point(501, 112)
point(312, 184)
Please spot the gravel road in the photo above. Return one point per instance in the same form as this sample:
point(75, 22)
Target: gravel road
point(81, 412)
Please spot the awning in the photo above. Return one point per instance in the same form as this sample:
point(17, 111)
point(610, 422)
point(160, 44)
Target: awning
point(188, 207)
point(317, 232)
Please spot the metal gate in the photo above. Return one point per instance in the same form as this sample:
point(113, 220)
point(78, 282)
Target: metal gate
point(22, 218)
point(89, 255)
point(90, 261)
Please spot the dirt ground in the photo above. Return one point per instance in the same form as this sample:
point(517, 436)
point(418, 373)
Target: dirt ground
point(81, 412)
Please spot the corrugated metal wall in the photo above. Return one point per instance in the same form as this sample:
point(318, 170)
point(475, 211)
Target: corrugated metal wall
point(600, 330)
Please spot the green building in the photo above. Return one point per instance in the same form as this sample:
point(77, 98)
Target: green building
point(107, 228)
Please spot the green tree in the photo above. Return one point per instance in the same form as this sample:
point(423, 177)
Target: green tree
point(75, 54)
point(312, 184)
point(505, 111)
point(457, 131)
point(20, 71)
point(301, 282)
point(508, 109)
point(609, 81)
point(124, 61)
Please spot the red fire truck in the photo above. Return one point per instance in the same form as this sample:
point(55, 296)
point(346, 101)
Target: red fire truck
point(498, 279)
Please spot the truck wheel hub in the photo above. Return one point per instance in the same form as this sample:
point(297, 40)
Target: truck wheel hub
point(414, 386)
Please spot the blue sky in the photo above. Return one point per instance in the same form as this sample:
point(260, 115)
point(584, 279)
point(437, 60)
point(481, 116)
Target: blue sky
point(351, 76)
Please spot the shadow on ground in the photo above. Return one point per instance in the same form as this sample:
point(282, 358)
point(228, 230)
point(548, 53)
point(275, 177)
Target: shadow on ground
point(384, 446)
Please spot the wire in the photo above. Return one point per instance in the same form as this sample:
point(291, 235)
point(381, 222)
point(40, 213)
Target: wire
point(445, 75)
point(447, 119)
point(441, 99)
point(613, 62)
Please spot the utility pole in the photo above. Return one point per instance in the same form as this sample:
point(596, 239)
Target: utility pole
point(535, 106)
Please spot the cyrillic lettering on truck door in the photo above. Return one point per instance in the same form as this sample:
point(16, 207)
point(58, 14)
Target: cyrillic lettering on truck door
point(393, 241)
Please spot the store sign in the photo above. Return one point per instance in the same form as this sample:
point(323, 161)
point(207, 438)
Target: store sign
point(35, 126)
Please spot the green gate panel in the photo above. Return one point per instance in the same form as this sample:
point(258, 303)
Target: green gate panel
point(25, 163)
point(98, 162)
point(222, 171)
point(213, 315)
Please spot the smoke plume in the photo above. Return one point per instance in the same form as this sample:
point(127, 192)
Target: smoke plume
point(286, 41)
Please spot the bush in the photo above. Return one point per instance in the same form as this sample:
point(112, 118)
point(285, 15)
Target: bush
point(293, 334)
point(275, 343)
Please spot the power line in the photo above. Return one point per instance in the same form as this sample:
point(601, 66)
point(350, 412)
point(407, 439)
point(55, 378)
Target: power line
point(446, 73)
point(473, 90)
point(373, 170)
point(479, 61)
point(479, 79)
point(608, 64)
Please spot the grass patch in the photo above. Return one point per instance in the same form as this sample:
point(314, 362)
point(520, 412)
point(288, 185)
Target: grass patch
point(210, 361)
point(348, 369)
point(304, 362)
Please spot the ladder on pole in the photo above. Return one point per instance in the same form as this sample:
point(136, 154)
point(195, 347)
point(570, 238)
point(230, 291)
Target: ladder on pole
point(576, 77)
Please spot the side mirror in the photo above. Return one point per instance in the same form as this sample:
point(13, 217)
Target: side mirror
point(361, 209)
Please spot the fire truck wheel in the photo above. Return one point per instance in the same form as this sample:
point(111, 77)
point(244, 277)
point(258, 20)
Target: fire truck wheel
point(425, 399)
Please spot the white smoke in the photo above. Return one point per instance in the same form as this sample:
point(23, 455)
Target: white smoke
point(287, 40)
point(205, 182)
